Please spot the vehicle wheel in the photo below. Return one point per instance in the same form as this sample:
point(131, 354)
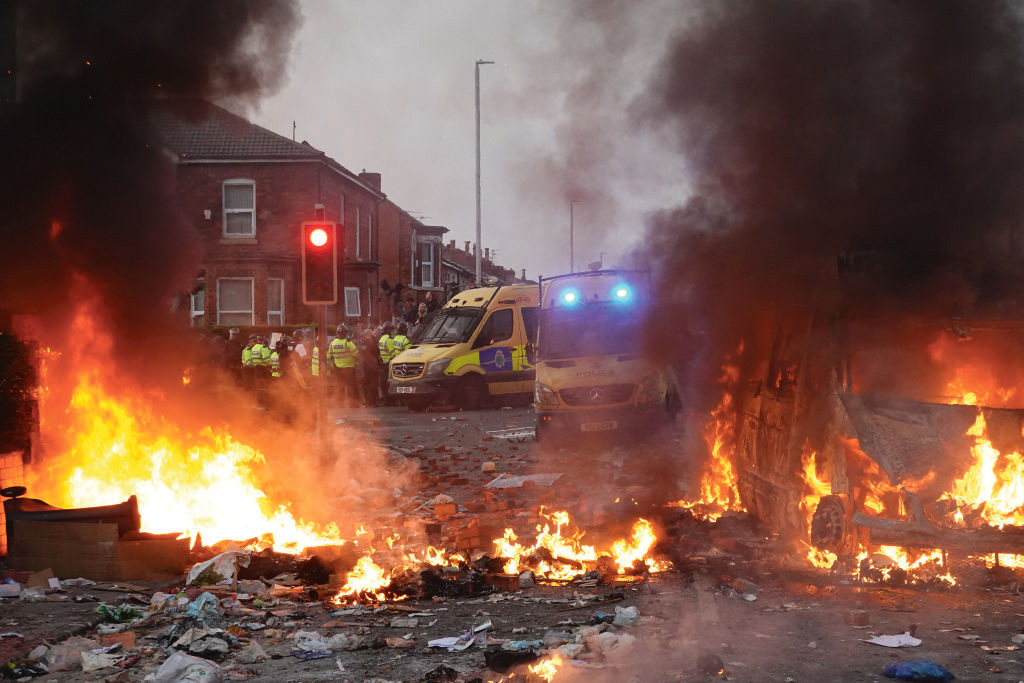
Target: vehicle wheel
point(471, 392)
point(417, 405)
point(828, 524)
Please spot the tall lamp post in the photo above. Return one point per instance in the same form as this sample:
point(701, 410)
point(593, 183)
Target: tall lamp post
point(479, 279)
point(572, 261)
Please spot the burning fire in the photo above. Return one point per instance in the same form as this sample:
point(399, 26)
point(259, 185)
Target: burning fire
point(365, 580)
point(200, 484)
point(557, 554)
point(566, 551)
point(718, 491)
point(814, 490)
point(992, 490)
point(973, 379)
point(547, 668)
point(563, 556)
point(921, 565)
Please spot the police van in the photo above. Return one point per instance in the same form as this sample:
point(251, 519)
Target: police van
point(592, 376)
point(480, 345)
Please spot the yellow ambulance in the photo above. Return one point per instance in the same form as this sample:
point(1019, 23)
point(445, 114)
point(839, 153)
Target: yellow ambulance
point(592, 376)
point(479, 346)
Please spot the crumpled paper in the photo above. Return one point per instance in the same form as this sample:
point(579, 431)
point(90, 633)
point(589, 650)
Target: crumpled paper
point(224, 566)
point(902, 640)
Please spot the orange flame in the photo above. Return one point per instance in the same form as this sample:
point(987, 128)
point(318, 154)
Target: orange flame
point(558, 544)
point(718, 490)
point(547, 668)
point(570, 556)
point(197, 483)
point(366, 579)
point(994, 485)
point(814, 490)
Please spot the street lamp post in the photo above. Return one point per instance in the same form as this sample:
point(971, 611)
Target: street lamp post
point(572, 261)
point(479, 279)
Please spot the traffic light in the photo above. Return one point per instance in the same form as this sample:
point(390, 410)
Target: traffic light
point(319, 262)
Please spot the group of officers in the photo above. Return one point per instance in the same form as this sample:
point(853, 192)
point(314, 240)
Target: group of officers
point(356, 363)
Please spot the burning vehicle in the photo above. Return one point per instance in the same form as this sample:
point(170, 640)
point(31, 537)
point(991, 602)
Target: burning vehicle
point(865, 428)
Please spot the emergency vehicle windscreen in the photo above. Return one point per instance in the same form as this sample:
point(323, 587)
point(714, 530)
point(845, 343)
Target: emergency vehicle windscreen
point(450, 326)
point(594, 329)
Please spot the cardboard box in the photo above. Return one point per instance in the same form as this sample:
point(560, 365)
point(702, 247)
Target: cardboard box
point(94, 551)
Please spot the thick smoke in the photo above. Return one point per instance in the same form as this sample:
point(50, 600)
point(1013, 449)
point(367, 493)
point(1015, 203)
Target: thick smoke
point(85, 194)
point(816, 129)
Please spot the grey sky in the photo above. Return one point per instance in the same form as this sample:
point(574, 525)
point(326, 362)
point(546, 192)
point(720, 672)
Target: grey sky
point(387, 85)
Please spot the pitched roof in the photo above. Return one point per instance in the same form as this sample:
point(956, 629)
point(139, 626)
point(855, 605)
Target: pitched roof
point(200, 130)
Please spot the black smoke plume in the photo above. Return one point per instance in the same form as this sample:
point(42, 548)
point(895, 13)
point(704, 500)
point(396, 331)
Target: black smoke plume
point(85, 193)
point(815, 130)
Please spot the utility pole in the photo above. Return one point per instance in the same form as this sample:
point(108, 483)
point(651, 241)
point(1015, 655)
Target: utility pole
point(478, 247)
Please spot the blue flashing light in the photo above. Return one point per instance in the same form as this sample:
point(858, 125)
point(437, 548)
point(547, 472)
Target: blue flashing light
point(570, 297)
point(622, 293)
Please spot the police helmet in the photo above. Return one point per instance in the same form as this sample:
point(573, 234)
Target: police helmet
point(342, 331)
point(388, 326)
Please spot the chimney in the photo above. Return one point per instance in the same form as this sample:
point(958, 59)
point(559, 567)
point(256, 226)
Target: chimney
point(475, 246)
point(467, 247)
point(487, 253)
point(451, 245)
point(370, 179)
point(524, 274)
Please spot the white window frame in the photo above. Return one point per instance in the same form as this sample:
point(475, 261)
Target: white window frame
point(197, 313)
point(369, 238)
point(348, 309)
point(252, 297)
point(280, 303)
point(434, 252)
point(225, 210)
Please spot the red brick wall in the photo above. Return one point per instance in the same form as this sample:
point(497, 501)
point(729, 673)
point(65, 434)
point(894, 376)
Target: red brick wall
point(285, 195)
point(390, 228)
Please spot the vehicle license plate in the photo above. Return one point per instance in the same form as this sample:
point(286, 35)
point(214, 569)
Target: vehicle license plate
point(406, 390)
point(599, 426)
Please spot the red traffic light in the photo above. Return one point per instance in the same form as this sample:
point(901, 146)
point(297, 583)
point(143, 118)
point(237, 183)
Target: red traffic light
point(319, 262)
point(318, 237)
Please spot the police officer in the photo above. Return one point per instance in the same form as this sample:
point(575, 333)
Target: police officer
point(341, 359)
point(386, 343)
point(275, 358)
point(254, 361)
point(265, 352)
point(400, 341)
point(386, 350)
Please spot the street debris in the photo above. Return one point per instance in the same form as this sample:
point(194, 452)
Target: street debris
point(506, 481)
point(918, 670)
point(516, 434)
point(901, 640)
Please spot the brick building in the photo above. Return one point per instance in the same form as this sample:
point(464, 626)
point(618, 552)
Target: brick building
point(458, 266)
point(248, 190)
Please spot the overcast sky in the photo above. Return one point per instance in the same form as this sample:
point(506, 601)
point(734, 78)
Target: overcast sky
point(387, 86)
